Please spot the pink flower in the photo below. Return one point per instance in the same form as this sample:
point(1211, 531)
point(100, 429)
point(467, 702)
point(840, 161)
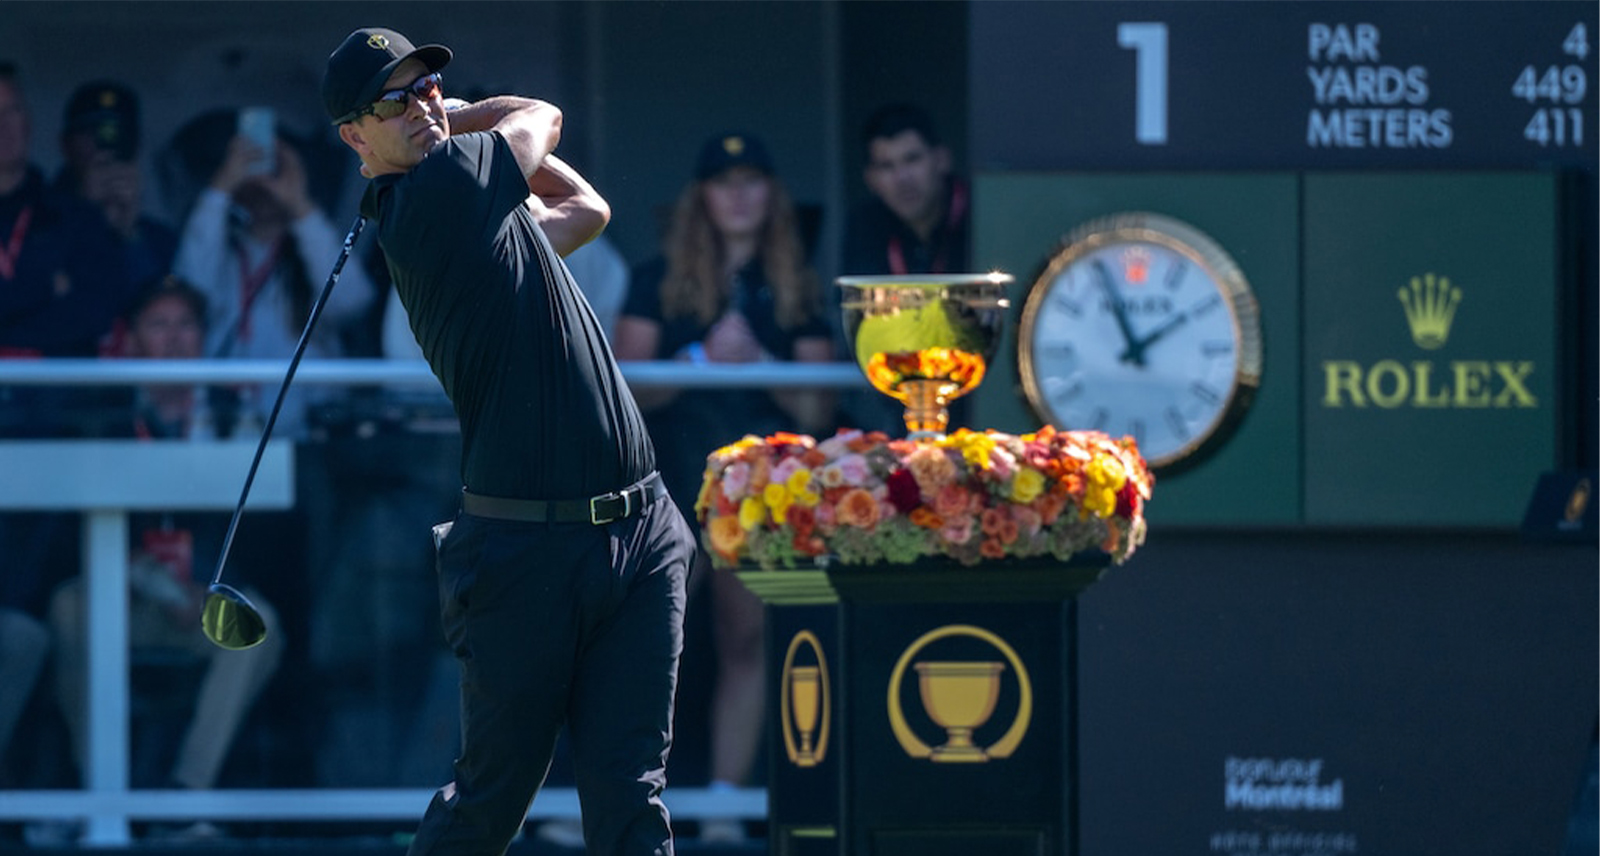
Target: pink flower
point(854, 469)
point(957, 531)
point(952, 500)
point(735, 479)
point(786, 468)
point(1001, 463)
point(932, 468)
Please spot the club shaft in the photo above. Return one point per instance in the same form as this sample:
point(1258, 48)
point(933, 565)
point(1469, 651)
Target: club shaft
point(277, 405)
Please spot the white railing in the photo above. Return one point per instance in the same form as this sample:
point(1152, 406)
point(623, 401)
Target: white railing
point(107, 804)
point(356, 372)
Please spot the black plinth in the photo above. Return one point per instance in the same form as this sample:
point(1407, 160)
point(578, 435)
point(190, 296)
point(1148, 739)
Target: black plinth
point(923, 710)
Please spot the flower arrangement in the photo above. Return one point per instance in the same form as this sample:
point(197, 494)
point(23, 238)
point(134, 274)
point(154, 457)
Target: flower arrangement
point(863, 498)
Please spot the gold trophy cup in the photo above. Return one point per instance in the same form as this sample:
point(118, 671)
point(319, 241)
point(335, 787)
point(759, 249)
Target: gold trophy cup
point(960, 697)
point(806, 701)
point(924, 340)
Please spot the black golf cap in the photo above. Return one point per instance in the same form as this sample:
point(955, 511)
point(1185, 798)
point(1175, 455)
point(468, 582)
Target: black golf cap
point(728, 150)
point(109, 113)
point(358, 68)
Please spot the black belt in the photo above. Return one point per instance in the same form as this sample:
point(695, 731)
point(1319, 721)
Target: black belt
point(596, 509)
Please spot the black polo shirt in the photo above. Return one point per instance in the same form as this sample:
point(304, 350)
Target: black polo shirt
point(544, 410)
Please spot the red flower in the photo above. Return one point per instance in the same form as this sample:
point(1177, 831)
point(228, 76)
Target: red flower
point(904, 494)
point(803, 520)
point(1128, 501)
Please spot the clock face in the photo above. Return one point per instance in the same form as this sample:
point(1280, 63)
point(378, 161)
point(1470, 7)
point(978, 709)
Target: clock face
point(1140, 325)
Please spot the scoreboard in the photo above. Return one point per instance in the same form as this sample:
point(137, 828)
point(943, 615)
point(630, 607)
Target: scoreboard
point(1284, 84)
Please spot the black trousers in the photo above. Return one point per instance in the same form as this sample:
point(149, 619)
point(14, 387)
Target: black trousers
point(553, 624)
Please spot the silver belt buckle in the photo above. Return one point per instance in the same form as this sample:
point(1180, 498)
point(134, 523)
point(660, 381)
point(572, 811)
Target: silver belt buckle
point(594, 507)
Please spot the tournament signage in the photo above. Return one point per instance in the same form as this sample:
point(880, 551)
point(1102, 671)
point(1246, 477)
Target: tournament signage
point(1276, 85)
point(1430, 375)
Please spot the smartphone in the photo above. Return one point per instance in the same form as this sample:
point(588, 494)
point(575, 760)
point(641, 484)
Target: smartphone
point(259, 126)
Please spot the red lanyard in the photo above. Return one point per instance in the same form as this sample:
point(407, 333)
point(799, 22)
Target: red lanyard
point(13, 248)
point(958, 209)
point(251, 283)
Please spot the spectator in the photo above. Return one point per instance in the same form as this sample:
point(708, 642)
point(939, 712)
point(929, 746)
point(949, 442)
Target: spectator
point(100, 140)
point(61, 282)
point(253, 243)
point(171, 556)
point(60, 291)
point(917, 221)
point(733, 286)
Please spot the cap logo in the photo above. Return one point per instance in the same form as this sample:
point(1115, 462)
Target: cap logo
point(378, 41)
point(108, 99)
point(733, 145)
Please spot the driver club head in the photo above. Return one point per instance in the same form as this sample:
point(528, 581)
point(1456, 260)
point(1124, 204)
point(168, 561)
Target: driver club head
point(230, 620)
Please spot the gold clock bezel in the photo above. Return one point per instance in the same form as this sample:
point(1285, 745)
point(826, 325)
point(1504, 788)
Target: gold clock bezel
point(1238, 298)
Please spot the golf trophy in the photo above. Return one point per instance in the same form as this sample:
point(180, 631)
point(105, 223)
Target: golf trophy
point(924, 340)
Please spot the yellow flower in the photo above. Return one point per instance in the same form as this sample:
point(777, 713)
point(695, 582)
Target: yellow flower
point(974, 447)
point(751, 513)
point(799, 485)
point(1026, 485)
point(777, 498)
point(1103, 477)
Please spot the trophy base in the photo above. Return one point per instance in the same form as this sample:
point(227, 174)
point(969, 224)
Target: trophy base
point(927, 413)
point(958, 754)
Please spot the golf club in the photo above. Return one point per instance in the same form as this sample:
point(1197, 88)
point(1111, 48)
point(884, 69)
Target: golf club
point(229, 619)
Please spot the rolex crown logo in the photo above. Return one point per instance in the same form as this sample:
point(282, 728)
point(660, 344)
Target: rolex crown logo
point(1430, 304)
point(733, 145)
point(378, 41)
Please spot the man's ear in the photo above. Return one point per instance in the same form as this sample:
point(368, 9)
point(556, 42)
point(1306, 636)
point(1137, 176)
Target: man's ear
point(942, 159)
point(350, 132)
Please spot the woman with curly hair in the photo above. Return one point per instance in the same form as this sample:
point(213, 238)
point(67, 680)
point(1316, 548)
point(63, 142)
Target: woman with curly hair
point(733, 285)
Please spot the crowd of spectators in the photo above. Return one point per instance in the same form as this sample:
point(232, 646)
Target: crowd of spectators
point(345, 576)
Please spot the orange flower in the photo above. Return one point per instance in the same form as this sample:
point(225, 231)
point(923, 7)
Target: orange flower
point(727, 537)
point(991, 548)
point(991, 520)
point(1008, 531)
point(926, 518)
point(857, 508)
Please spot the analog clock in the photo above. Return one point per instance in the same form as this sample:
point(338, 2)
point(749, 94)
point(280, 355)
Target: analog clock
point(1142, 325)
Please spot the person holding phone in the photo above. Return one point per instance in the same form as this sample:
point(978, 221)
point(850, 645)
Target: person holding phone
point(251, 243)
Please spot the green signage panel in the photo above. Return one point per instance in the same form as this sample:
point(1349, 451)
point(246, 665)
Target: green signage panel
point(1430, 369)
point(1252, 475)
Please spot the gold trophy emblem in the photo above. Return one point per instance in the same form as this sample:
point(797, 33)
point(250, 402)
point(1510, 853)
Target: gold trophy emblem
point(960, 697)
point(805, 696)
point(924, 340)
point(804, 701)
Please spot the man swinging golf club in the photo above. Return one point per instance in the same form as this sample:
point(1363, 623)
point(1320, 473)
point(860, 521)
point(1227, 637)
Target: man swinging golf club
point(562, 579)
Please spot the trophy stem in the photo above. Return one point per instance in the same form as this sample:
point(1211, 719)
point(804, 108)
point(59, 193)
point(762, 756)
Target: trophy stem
point(926, 415)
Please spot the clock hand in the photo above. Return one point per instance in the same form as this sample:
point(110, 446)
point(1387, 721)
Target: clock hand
point(1133, 353)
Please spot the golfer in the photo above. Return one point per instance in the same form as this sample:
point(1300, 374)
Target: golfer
point(561, 581)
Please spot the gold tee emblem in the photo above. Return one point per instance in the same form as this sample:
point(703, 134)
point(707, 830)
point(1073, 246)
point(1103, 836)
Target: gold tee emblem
point(378, 41)
point(960, 696)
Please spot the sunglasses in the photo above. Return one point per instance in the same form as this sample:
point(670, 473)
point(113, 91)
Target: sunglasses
point(394, 102)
